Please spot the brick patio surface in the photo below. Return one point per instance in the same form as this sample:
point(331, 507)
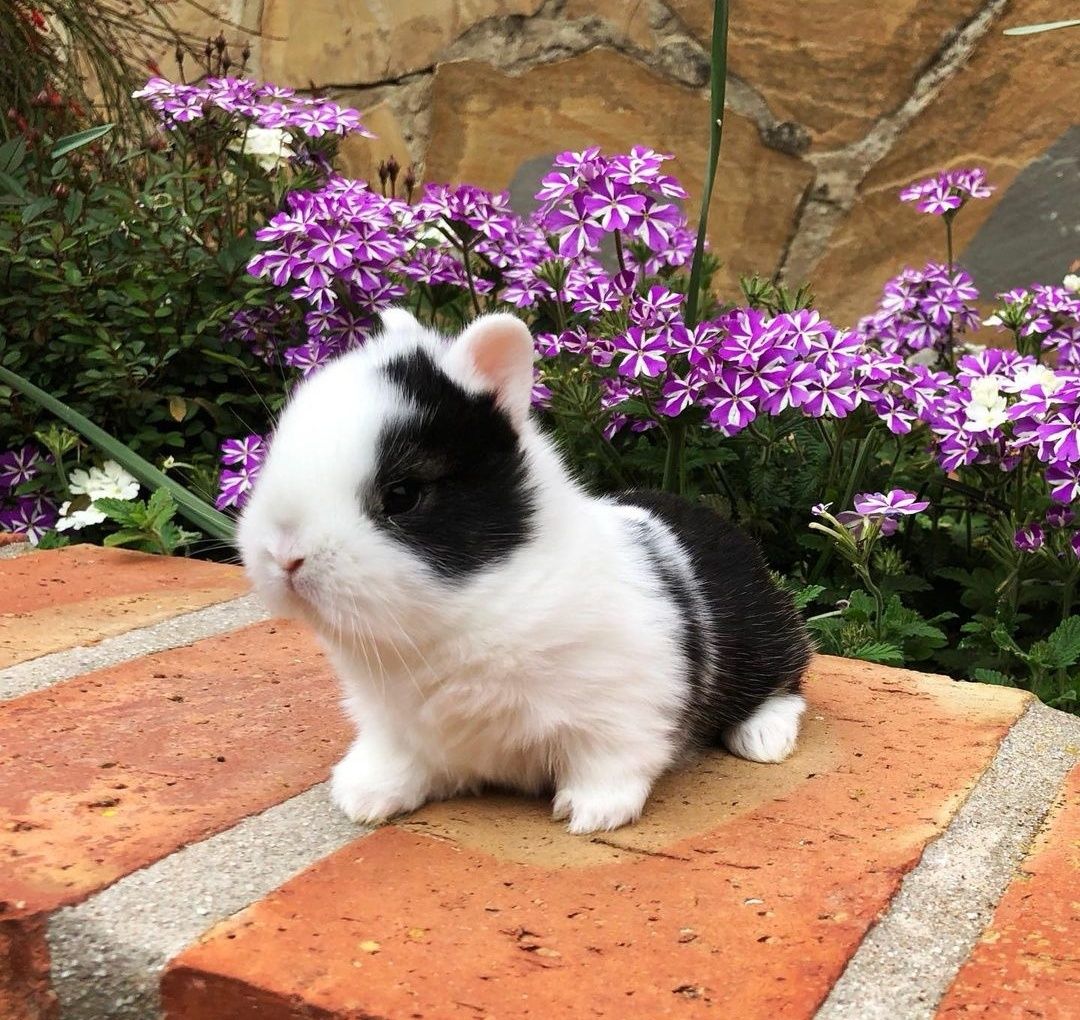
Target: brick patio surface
point(167, 847)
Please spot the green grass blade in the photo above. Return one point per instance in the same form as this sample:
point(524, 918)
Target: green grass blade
point(718, 88)
point(675, 458)
point(1046, 26)
point(195, 510)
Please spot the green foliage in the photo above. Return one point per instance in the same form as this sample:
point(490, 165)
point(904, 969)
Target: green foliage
point(145, 525)
point(120, 273)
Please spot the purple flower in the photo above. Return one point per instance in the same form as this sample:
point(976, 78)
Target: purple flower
point(1059, 516)
point(18, 466)
point(645, 353)
point(678, 394)
point(831, 394)
point(31, 516)
point(820, 508)
point(249, 451)
point(947, 191)
point(612, 205)
point(1059, 439)
point(859, 524)
point(576, 229)
point(1029, 538)
point(732, 400)
point(894, 503)
point(1064, 482)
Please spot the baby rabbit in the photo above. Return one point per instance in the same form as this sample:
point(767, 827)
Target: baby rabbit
point(491, 622)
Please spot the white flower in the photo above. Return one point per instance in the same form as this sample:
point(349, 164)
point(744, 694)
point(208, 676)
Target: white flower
point(1072, 282)
point(1036, 375)
point(267, 146)
point(78, 519)
point(110, 481)
point(993, 320)
point(986, 410)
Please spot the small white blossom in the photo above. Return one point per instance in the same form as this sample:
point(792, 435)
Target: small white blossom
point(1072, 282)
point(993, 320)
point(269, 147)
point(1035, 375)
point(987, 408)
point(77, 520)
point(110, 481)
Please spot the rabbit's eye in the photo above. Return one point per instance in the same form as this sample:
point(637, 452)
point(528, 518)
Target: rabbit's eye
point(401, 497)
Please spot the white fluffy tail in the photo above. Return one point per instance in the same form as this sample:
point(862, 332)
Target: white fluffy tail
point(769, 734)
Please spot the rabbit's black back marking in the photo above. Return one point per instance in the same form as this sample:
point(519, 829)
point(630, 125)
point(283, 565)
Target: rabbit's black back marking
point(753, 643)
point(460, 448)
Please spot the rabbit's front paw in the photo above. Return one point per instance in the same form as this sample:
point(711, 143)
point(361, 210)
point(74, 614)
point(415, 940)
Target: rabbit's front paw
point(368, 792)
point(600, 808)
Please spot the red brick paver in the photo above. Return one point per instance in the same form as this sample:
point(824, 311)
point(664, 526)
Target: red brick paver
point(79, 595)
point(1027, 964)
point(742, 893)
point(106, 773)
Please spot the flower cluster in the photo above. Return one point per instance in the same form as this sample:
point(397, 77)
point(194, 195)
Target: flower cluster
point(32, 514)
point(242, 459)
point(946, 192)
point(922, 310)
point(266, 106)
point(110, 481)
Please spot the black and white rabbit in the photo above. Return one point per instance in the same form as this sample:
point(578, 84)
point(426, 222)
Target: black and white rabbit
point(491, 622)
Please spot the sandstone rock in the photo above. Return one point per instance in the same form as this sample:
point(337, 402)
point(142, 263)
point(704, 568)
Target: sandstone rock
point(489, 128)
point(335, 41)
point(1002, 111)
point(831, 65)
point(629, 21)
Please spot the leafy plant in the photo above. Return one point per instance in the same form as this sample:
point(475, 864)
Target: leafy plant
point(146, 525)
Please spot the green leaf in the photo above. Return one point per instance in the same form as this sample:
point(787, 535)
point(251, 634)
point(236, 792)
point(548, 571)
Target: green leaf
point(197, 511)
point(124, 511)
point(160, 509)
point(1064, 644)
point(804, 596)
point(879, 651)
point(12, 154)
point(993, 676)
point(32, 210)
point(128, 536)
point(69, 143)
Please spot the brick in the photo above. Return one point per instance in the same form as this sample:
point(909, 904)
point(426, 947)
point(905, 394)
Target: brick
point(742, 892)
point(1026, 963)
point(105, 774)
point(50, 601)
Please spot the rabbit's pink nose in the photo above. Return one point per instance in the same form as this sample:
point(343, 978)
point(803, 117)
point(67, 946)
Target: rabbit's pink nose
point(292, 565)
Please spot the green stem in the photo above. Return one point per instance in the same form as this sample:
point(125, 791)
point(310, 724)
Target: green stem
point(674, 469)
point(469, 277)
point(718, 85)
point(619, 251)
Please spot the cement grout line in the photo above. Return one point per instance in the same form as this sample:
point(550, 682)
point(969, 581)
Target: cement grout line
point(37, 674)
point(909, 959)
point(108, 952)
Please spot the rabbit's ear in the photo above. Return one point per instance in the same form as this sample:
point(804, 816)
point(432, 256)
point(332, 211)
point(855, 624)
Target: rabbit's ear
point(495, 354)
point(396, 320)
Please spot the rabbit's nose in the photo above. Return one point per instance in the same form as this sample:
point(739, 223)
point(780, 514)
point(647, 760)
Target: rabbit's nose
point(292, 564)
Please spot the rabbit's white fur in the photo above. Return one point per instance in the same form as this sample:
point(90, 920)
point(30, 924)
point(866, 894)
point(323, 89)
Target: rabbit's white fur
point(557, 667)
point(529, 674)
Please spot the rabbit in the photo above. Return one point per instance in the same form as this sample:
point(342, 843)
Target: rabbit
point(492, 623)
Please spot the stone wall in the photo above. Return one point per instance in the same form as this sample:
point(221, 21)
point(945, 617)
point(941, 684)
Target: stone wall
point(832, 106)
